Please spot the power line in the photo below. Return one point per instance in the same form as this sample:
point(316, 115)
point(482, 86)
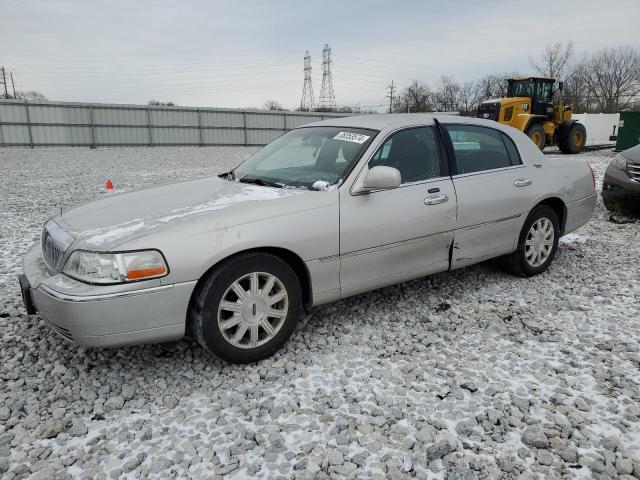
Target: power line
point(327, 97)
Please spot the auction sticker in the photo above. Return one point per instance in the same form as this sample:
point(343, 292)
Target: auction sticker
point(351, 137)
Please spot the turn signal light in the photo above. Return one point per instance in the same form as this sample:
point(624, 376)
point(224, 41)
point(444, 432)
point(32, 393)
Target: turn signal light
point(141, 273)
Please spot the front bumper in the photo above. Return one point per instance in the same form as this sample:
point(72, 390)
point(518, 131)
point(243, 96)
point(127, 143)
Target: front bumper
point(618, 188)
point(104, 316)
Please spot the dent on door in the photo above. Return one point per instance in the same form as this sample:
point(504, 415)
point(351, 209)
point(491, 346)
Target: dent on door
point(395, 235)
point(491, 208)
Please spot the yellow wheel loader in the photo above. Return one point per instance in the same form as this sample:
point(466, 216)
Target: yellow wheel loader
point(529, 107)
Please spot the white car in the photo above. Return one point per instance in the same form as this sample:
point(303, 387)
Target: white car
point(326, 211)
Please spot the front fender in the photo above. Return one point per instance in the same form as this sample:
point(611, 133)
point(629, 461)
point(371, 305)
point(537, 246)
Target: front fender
point(191, 251)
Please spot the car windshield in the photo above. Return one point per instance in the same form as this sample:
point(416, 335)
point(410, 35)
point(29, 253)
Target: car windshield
point(304, 156)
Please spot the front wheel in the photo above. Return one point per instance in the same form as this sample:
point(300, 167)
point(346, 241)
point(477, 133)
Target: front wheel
point(247, 308)
point(536, 133)
point(537, 244)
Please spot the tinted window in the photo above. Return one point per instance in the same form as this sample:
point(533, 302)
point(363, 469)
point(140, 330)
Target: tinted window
point(543, 91)
point(478, 148)
point(414, 152)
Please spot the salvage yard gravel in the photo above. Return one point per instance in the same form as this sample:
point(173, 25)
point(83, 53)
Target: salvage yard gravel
point(466, 374)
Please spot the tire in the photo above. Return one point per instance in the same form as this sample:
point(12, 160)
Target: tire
point(536, 133)
point(252, 273)
point(574, 140)
point(519, 263)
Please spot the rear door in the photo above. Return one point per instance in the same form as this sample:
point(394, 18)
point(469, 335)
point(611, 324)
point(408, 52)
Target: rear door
point(389, 236)
point(493, 188)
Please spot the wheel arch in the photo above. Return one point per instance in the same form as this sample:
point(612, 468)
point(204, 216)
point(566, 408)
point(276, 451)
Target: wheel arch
point(558, 206)
point(290, 258)
point(534, 119)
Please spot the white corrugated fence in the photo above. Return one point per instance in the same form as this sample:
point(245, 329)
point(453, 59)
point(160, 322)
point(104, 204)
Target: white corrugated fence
point(83, 124)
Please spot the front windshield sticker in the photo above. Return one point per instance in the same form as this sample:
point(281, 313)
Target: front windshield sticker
point(351, 137)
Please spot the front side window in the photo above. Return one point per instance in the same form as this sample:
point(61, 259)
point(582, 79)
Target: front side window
point(305, 156)
point(479, 148)
point(414, 152)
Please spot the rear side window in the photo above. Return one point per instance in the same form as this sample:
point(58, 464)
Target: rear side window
point(480, 148)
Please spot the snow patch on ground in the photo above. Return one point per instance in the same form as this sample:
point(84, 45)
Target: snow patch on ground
point(436, 378)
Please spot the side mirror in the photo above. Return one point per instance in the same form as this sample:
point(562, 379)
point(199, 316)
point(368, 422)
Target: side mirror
point(560, 85)
point(382, 178)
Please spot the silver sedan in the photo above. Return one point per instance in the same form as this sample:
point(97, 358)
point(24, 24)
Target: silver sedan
point(328, 210)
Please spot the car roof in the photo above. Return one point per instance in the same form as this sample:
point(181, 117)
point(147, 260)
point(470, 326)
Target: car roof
point(399, 120)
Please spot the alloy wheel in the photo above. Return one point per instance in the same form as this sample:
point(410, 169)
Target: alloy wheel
point(539, 242)
point(253, 310)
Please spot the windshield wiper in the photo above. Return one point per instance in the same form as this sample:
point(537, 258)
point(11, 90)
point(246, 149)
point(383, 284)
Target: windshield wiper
point(260, 181)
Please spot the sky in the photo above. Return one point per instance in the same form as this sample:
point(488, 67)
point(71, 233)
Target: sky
point(239, 53)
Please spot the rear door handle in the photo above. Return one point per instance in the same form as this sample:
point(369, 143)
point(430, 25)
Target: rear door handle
point(522, 182)
point(436, 199)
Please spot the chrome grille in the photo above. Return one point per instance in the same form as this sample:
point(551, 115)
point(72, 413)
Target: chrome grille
point(633, 171)
point(54, 244)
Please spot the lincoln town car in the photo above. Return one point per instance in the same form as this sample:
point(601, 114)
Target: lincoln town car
point(325, 211)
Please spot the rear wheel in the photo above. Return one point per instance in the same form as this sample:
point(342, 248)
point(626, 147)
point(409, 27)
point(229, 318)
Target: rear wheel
point(537, 244)
point(574, 139)
point(247, 308)
point(536, 133)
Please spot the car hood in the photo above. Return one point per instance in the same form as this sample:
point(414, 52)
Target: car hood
point(110, 221)
point(632, 154)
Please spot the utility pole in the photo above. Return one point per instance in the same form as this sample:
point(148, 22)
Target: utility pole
point(4, 81)
point(391, 89)
point(13, 86)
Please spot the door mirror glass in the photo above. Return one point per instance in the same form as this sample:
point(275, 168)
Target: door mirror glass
point(382, 178)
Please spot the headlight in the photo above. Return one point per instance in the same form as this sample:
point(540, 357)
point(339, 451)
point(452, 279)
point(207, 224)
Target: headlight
point(619, 162)
point(110, 268)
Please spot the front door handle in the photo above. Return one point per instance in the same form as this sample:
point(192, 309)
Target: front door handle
point(436, 199)
point(522, 182)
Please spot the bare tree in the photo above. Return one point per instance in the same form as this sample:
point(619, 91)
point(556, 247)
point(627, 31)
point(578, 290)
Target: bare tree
point(554, 60)
point(161, 103)
point(468, 99)
point(575, 92)
point(612, 77)
point(446, 94)
point(415, 98)
point(273, 105)
point(32, 96)
point(491, 86)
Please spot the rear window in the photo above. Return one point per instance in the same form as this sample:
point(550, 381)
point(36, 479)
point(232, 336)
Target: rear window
point(479, 149)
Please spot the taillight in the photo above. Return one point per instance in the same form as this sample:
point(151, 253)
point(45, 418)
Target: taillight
point(593, 174)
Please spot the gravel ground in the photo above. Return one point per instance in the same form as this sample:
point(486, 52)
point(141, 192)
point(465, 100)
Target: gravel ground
point(468, 374)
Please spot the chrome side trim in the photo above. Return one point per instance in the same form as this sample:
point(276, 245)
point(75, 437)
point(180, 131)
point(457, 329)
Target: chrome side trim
point(65, 297)
point(416, 239)
point(489, 171)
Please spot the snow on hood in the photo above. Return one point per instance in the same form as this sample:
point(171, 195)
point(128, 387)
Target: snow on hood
point(112, 220)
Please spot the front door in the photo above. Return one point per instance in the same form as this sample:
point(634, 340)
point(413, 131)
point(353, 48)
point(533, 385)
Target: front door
point(389, 236)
